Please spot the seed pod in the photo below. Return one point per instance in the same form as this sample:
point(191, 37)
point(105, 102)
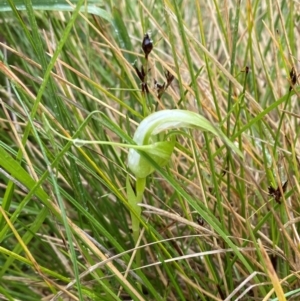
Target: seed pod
point(147, 45)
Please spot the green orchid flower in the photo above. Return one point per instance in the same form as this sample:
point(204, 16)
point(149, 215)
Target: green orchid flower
point(148, 139)
point(147, 135)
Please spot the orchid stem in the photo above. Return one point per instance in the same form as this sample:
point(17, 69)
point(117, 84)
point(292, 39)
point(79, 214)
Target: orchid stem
point(134, 198)
point(140, 188)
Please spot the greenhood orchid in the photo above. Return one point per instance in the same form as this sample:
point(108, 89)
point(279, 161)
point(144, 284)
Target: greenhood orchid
point(147, 134)
point(148, 139)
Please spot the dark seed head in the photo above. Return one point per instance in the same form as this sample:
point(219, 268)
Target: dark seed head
point(293, 77)
point(276, 193)
point(160, 88)
point(147, 45)
point(169, 77)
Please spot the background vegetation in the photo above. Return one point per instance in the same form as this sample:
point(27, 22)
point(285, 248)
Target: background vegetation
point(214, 226)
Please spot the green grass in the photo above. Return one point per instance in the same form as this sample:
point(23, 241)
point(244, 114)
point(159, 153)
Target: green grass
point(209, 228)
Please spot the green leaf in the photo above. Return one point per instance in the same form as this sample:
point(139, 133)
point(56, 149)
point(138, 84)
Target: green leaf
point(122, 34)
point(17, 172)
point(59, 5)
